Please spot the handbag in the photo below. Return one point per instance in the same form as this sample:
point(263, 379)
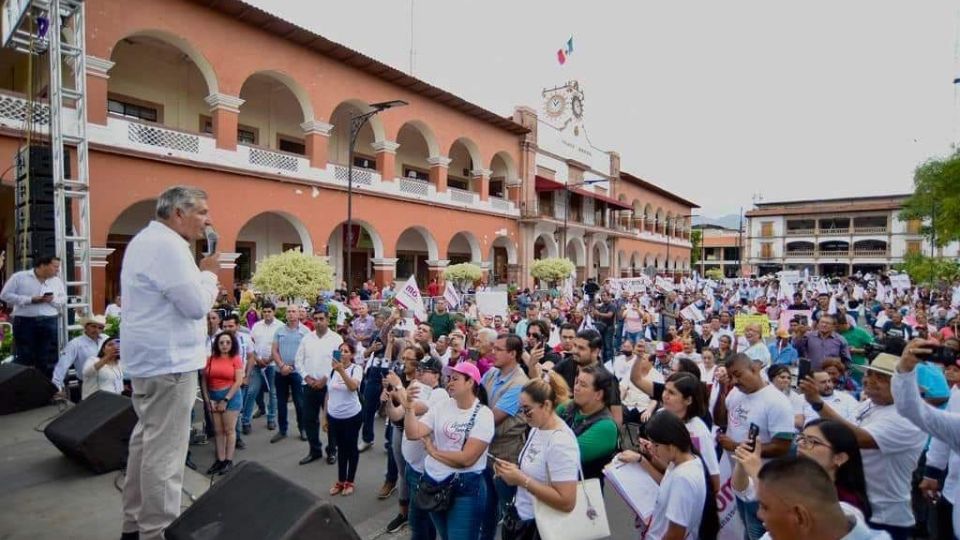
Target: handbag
point(587, 520)
point(439, 497)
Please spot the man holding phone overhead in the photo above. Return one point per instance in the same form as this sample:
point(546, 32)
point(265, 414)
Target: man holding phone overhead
point(36, 296)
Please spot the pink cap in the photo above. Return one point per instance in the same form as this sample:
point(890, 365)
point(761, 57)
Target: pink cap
point(468, 369)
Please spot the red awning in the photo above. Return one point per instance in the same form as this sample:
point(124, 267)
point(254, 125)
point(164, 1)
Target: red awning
point(546, 184)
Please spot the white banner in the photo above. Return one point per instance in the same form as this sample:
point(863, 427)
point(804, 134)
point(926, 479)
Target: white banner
point(451, 295)
point(692, 313)
point(664, 283)
point(492, 303)
point(900, 282)
point(630, 285)
point(409, 297)
point(730, 526)
point(791, 277)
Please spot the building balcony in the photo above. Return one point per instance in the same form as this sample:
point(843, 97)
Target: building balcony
point(869, 230)
point(166, 143)
point(833, 232)
point(801, 253)
point(870, 252)
point(801, 232)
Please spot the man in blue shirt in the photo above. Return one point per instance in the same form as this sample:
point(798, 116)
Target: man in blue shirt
point(286, 379)
point(782, 350)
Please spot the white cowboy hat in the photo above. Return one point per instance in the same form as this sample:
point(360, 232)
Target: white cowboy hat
point(99, 320)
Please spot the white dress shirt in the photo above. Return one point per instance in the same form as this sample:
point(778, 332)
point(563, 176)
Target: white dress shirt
point(262, 334)
point(166, 301)
point(22, 286)
point(109, 378)
point(75, 354)
point(315, 355)
point(113, 310)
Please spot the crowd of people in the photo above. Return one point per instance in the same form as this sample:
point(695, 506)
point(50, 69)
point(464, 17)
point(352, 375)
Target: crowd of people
point(830, 404)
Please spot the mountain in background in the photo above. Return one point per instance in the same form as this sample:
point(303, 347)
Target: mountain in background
point(729, 221)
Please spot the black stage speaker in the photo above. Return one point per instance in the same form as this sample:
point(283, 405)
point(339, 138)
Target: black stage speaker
point(254, 503)
point(34, 194)
point(96, 432)
point(23, 388)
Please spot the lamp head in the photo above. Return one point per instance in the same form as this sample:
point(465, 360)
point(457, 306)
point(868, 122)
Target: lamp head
point(383, 105)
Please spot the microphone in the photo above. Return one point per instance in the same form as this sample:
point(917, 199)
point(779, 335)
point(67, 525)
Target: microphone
point(212, 238)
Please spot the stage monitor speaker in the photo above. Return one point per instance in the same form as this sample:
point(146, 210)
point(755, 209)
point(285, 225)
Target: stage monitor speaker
point(96, 432)
point(23, 388)
point(252, 503)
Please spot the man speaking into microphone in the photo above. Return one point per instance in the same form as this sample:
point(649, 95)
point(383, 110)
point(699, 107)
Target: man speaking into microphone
point(166, 301)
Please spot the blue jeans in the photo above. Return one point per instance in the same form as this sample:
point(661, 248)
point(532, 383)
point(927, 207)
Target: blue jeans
point(393, 473)
point(285, 386)
point(618, 334)
point(498, 495)
point(462, 521)
point(633, 337)
point(421, 527)
point(608, 352)
point(259, 378)
point(753, 527)
point(35, 340)
point(372, 386)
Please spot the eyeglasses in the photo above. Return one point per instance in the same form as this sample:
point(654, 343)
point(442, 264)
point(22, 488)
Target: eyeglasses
point(525, 410)
point(807, 441)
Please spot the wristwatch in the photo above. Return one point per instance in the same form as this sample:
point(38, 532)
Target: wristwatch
point(817, 407)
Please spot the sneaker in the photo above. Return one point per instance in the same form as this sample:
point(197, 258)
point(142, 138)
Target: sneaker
point(215, 468)
point(271, 425)
point(388, 489)
point(364, 446)
point(278, 437)
point(240, 444)
point(397, 523)
point(227, 467)
point(245, 429)
point(337, 488)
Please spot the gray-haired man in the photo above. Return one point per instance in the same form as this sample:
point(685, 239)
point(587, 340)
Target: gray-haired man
point(168, 298)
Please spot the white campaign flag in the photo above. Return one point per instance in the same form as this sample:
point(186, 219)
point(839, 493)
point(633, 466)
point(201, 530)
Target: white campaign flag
point(451, 295)
point(410, 298)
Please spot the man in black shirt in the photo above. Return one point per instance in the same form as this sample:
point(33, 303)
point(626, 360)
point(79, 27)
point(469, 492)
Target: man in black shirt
point(586, 347)
point(605, 322)
point(590, 288)
point(798, 303)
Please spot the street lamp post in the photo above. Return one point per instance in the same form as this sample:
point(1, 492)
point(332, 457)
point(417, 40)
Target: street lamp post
point(356, 124)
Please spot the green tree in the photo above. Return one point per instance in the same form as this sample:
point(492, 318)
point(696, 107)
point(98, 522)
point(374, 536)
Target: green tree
point(714, 273)
point(936, 199)
point(463, 275)
point(696, 239)
point(551, 270)
point(932, 271)
point(293, 275)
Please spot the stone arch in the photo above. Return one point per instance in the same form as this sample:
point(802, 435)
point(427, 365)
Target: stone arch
point(338, 143)
point(472, 150)
point(267, 233)
point(203, 65)
point(295, 88)
point(549, 247)
point(464, 243)
point(424, 130)
point(599, 247)
point(576, 251)
point(433, 251)
point(503, 241)
point(124, 227)
point(366, 240)
point(503, 164)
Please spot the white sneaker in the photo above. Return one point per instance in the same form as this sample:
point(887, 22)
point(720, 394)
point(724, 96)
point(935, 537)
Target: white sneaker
point(364, 446)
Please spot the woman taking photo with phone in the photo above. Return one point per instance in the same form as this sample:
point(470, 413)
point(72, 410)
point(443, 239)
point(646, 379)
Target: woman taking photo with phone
point(455, 435)
point(102, 372)
point(343, 415)
point(686, 507)
point(548, 462)
point(221, 391)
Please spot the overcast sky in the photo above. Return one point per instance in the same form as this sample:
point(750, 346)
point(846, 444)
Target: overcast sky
point(716, 101)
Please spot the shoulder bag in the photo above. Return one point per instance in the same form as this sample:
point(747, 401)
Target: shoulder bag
point(439, 497)
point(587, 521)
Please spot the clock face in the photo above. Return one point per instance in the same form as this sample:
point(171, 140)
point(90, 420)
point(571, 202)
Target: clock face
point(555, 105)
point(576, 106)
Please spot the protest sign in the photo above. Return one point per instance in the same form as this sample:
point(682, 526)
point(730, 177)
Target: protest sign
point(741, 321)
point(492, 303)
point(788, 315)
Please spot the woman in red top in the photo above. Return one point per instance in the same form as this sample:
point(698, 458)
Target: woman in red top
point(221, 392)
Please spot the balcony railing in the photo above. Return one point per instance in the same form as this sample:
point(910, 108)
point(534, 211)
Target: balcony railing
point(414, 186)
point(801, 253)
point(834, 232)
point(163, 138)
point(363, 177)
point(801, 232)
point(833, 252)
point(870, 252)
point(270, 159)
point(462, 196)
point(870, 230)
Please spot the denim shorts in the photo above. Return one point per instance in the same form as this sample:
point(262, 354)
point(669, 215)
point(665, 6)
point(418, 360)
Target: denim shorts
point(235, 403)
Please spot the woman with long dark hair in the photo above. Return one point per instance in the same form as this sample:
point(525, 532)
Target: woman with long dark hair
point(686, 506)
point(588, 415)
point(343, 416)
point(832, 445)
point(683, 396)
point(221, 391)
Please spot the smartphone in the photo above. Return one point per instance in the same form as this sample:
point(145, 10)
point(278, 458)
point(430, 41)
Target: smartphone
point(48, 294)
point(752, 435)
point(804, 370)
point(336, 355)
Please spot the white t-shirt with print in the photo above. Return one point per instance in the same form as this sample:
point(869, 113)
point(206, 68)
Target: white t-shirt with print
point(683, 491)
point(449, 423)
point(704, 442)
point(768, 408)
point(413, 451)
point(888, 469)
point(556, 449)
point(843, 403)
point(343, 403)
